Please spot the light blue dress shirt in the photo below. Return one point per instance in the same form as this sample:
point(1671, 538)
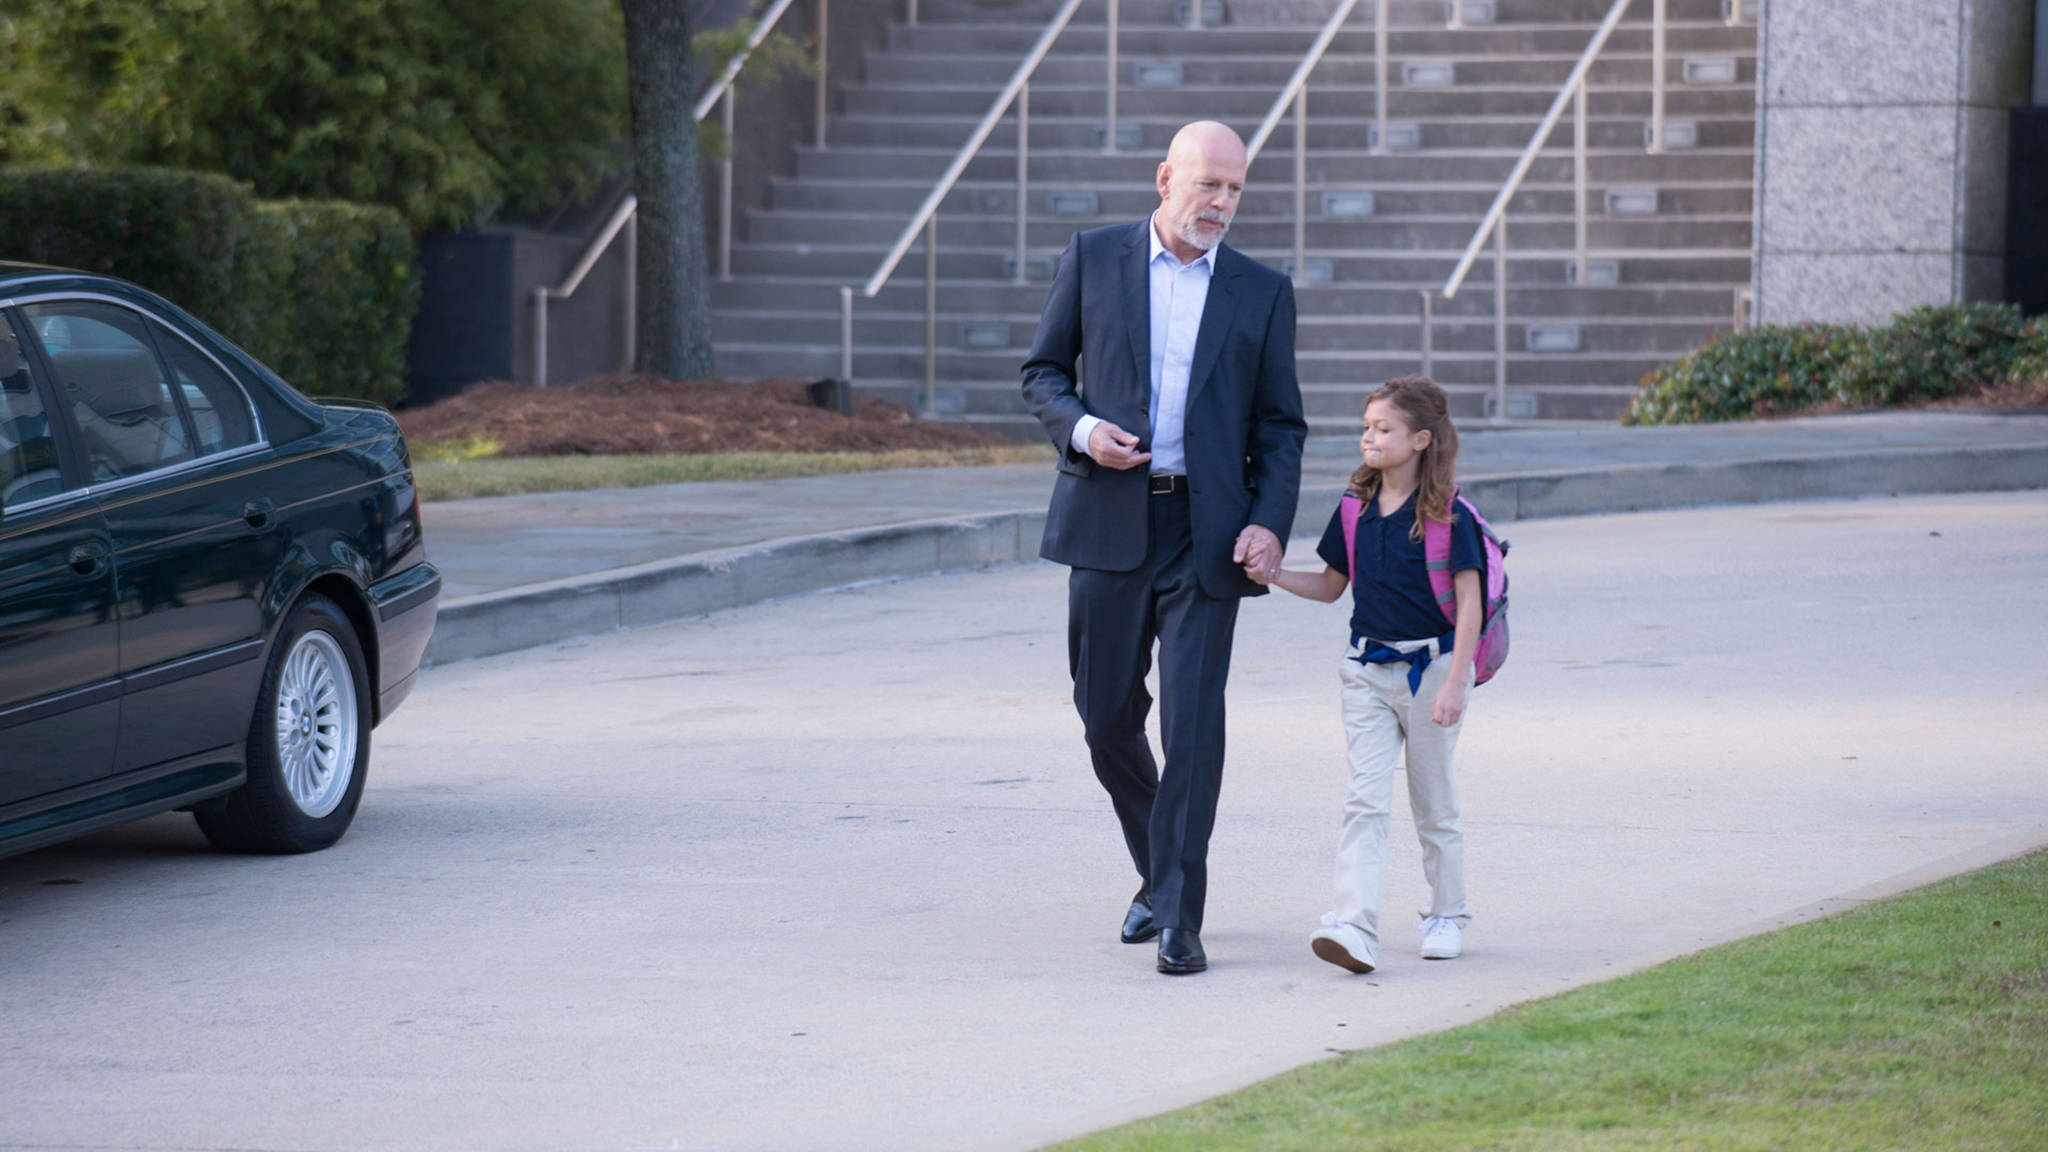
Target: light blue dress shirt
point(1178, 294)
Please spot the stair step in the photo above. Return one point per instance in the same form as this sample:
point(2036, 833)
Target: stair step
point(1390, 201)
point(1238, 59)
point(1050, 233)
point(1525, 265)
point(801, 295)
point(1251, 13)
point(1347, 131)
point(1009, 337)
point(1274, 168)
point(1231, 102)
point(741, 359)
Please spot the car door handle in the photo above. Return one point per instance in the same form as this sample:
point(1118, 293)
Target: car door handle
point(257, 512)
point(87, 558)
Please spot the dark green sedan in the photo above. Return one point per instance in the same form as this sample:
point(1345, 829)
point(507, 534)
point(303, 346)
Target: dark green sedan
point(211, 588)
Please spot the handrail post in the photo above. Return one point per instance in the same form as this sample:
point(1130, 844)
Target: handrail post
point(1657, 76)
point(912, 21)
point(1455, 18)
point(1195, 15)
point(846, 334)
point(632, 273)
point(931, 315)
point(725, 194)
point(1513, 183)
point(1023, 170)
point(1109, 89)
point(1379, 75)
point(824, 13)
point(1734, 12)
point(1579, 178)
point(1428, 334)
point(1500, 319)
point(1300, 182)
point(540, 336)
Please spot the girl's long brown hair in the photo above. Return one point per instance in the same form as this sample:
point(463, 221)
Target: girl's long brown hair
point(1426, 409)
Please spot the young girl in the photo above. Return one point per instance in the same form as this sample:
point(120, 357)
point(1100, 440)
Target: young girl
point(1405, 673)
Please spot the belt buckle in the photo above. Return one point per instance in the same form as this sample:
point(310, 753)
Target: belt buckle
point(1167, 483)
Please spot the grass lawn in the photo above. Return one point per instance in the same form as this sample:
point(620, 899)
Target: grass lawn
point(446, 479)
point(1919, 1022)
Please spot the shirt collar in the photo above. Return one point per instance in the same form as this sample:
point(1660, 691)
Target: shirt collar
point(1159, 248)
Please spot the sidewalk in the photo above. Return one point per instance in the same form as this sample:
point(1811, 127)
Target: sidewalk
point(527, 570)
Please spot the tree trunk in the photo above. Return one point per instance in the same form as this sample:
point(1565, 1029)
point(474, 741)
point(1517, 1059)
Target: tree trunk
point(673, 315)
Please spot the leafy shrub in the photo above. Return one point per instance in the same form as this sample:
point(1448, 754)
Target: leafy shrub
point(341, 286)
point(2030, 364)
point(321, 291)
point(184, 235)
point(1766, 371)
point(1932, 353)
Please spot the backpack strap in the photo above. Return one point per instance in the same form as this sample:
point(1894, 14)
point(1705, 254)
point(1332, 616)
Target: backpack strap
point(1349, 509)
point(1436, 555)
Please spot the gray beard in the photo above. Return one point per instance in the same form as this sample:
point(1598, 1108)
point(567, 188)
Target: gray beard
point(1192, 235)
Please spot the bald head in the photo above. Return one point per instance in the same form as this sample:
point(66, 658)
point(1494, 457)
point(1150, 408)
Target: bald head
point(1205, 140)
point(1199, 185)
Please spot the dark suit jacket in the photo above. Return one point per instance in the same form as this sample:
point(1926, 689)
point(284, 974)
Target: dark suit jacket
point(1244, 427)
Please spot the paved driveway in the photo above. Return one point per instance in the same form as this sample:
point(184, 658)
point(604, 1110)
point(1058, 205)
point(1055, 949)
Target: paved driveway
point(832, 873)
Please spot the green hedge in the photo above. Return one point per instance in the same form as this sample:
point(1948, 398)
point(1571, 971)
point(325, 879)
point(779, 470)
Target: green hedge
point(345, 284)
point(183, 235)
point(1930, 353)
point(321, 291)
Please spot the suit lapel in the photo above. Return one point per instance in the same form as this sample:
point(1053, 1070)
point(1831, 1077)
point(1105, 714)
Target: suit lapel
point(1216, 315)
point(1137, 309)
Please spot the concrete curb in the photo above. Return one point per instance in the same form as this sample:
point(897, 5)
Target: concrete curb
point(641, 594)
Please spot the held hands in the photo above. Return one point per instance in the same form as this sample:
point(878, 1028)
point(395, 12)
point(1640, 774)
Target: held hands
point(1112, 447)
point(1259, 551)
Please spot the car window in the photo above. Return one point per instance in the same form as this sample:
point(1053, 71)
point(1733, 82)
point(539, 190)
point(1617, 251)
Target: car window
point(28, 454)
point(220, 413)
point(109, 377)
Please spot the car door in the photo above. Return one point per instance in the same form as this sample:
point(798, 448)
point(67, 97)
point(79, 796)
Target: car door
point(176, 464)
point(60, 695)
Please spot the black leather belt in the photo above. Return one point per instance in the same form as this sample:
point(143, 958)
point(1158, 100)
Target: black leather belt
point(1164, 484)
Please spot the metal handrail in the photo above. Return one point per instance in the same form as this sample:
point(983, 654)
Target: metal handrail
point(926, 218)
point(623, 218)
point(1296, 93)
point(1494, 224)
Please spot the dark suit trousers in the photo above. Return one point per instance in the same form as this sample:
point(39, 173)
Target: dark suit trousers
point(1113, 620)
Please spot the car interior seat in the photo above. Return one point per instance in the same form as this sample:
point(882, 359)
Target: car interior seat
point(125, 414)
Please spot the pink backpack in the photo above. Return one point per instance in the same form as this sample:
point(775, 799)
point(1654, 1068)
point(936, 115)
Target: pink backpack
point(1436, 550)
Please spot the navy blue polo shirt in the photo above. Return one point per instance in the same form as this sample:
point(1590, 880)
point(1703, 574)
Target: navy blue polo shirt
point(1390, 595)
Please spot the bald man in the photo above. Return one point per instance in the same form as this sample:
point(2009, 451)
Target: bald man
point(1180, 463)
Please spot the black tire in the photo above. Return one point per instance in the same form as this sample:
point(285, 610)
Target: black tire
point(294, 799)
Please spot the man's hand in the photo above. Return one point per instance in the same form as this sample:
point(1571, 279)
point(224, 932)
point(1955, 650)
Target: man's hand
point(1259, 551)
point(1112, 447)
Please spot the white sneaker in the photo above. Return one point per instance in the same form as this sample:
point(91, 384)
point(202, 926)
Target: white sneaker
point(1441, 939)
point(1341, 944)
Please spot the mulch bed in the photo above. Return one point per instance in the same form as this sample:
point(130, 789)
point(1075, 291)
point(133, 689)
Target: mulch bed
point(625, 413)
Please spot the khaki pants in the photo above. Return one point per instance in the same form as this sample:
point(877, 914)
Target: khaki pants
point(1380, 717)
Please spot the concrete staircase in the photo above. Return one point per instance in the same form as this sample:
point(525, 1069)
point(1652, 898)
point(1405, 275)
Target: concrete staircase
point(1678, 267)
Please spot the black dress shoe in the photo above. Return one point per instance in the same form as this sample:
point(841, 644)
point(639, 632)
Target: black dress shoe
point(1180, 952)
point(1138, 926)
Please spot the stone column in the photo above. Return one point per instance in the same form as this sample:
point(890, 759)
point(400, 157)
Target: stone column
point(1881, 146)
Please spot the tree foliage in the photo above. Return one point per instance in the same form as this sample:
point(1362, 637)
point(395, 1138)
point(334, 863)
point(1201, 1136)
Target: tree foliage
point(446, 110)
